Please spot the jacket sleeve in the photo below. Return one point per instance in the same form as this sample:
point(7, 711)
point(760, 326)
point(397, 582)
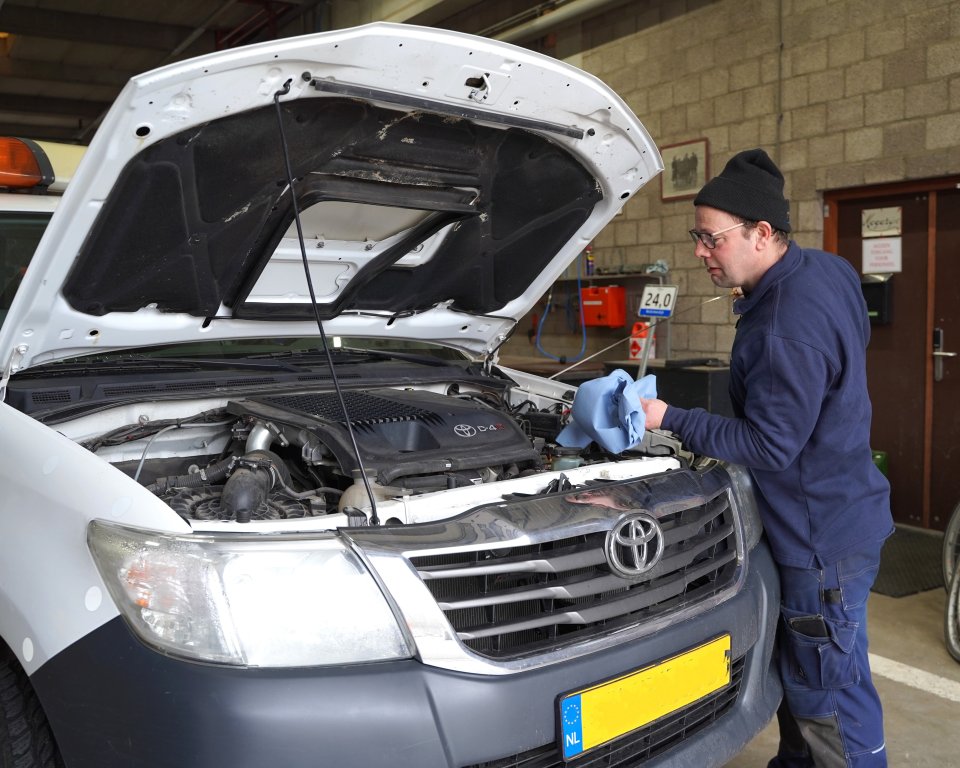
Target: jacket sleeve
point(784, 391)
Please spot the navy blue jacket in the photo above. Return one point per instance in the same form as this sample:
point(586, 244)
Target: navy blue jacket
point(798, 383)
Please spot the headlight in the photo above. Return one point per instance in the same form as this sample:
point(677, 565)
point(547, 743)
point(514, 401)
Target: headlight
point(252, 601)
point(741, 481)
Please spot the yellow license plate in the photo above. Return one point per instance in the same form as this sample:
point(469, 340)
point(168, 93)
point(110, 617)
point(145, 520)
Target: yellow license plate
point(596, 715)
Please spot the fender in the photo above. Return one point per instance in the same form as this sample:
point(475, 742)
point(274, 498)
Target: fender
point(51, 593)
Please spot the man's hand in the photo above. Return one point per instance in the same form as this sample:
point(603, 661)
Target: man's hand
point(653, 410)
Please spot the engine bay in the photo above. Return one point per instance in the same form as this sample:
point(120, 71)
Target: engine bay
point(269, 456)
point(290, 455)
point(262, 438)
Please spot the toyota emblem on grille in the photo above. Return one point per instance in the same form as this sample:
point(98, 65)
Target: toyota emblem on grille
point(634, 545)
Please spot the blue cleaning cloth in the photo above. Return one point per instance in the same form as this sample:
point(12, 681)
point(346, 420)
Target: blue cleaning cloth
point(608, 411)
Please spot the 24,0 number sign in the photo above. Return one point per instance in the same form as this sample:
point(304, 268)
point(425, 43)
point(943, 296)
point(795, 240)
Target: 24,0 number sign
point(657, 300)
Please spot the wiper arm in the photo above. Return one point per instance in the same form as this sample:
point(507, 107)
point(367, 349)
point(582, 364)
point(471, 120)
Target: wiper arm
point(411, 357)
point(347, 355)
point(200, 363)
point(145, 362)
point(308, 355)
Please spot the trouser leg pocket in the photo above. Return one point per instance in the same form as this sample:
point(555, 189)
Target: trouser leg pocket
point(817, 651)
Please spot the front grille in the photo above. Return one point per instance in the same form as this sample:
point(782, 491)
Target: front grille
point(506, 603)
point(641, 745)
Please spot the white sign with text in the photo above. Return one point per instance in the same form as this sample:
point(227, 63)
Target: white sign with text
point(882, 255)
point(657, 300)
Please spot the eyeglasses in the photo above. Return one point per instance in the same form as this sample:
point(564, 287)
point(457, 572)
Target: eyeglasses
point(709, 239)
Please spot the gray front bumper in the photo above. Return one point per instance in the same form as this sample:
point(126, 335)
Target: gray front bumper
point(114, 703)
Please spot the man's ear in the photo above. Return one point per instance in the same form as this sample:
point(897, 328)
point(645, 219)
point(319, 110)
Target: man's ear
point(764, 234)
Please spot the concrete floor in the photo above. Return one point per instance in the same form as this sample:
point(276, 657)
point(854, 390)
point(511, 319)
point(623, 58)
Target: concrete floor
point(918, 681)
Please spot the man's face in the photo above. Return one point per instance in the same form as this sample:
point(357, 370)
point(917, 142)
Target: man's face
point(734, 263)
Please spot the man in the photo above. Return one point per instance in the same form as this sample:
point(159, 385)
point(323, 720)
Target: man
point(802, 425)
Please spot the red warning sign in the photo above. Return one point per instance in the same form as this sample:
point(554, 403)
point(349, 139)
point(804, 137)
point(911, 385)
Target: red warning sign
point(641, 333)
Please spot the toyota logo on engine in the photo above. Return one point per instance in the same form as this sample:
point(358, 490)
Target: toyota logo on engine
point(634, 545)
point(465, 430)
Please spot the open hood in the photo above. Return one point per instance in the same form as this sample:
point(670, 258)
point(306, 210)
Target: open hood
point(443, 181)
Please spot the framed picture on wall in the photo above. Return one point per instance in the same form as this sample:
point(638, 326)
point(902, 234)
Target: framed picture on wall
point(685, 169)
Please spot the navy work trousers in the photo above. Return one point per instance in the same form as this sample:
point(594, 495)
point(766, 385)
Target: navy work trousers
point(832, 717)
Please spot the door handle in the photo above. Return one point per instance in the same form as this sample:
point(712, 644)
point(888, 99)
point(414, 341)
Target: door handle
point(939, 354)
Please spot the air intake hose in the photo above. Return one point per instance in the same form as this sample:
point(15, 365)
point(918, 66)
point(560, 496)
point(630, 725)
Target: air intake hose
point(250, 483)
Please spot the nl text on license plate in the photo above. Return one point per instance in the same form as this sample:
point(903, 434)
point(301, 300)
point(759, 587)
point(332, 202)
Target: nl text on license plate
point(593, 716)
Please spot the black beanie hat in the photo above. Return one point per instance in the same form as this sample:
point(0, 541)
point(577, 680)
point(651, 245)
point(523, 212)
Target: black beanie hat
point(750, 186)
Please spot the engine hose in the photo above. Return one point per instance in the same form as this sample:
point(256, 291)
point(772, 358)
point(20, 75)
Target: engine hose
point(245, 492)
point(212, 474)
point(250, 483)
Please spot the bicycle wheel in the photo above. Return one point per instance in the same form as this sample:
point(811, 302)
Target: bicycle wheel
point(951, 547)
point(951, 618)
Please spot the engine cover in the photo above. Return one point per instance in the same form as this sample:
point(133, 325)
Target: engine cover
point(400, 432)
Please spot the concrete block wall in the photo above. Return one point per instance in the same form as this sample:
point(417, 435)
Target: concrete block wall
point(841, 93)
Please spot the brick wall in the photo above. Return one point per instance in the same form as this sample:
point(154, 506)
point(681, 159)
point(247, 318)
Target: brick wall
point(862, 92)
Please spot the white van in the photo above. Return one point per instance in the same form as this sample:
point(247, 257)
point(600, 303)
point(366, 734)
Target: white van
point(268, 499)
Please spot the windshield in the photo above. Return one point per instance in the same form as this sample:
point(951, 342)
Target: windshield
point(19, 235)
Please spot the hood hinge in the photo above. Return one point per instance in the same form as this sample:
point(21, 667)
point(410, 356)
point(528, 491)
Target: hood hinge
point(12, 366)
